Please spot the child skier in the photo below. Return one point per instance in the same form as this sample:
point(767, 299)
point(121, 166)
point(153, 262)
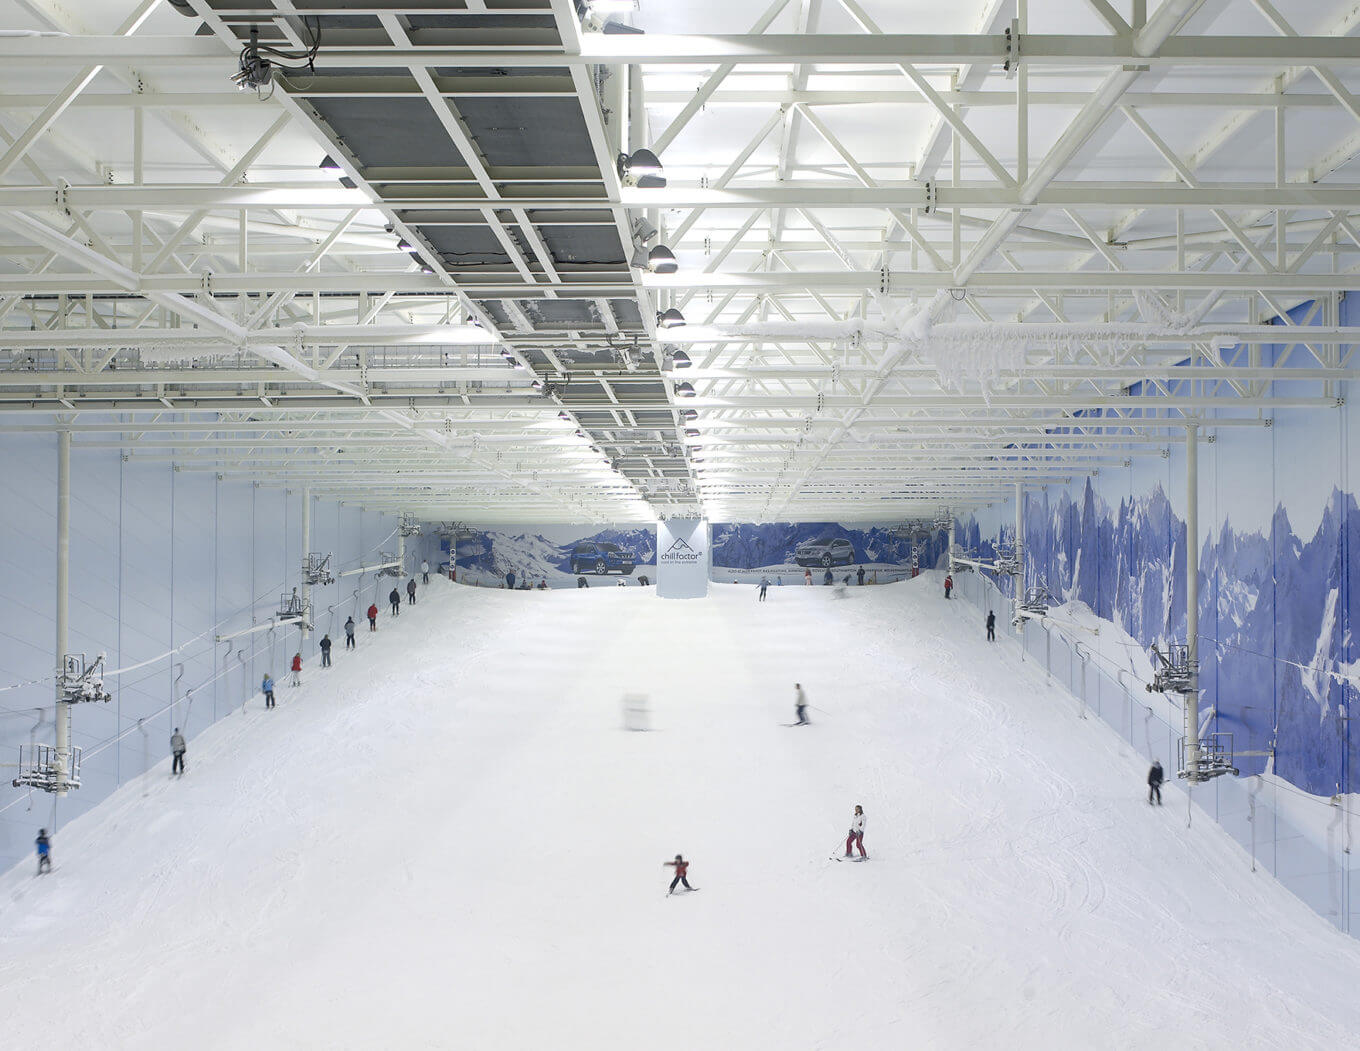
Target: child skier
point(349, 634)
point(856, 836)
point(297, 669)
point(373, 617)
point(948, 584)
point(45, 852)
point(267, 688)
point(681, 867)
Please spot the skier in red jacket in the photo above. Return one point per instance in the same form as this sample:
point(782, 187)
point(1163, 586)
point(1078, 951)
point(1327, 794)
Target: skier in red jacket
point(297, 669)
point(681, 867)
point(373, 618)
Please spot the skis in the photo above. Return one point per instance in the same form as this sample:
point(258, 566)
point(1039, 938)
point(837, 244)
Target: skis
point(838, 857)
point(684, 890)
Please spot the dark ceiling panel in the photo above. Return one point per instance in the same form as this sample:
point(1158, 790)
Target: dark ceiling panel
point(520, 132)
point(584, 245)
point(390, 133)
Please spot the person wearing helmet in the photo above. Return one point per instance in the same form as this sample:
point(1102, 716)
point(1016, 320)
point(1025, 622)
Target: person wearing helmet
point(856, 836)
point(44, 852)
point(681, 867)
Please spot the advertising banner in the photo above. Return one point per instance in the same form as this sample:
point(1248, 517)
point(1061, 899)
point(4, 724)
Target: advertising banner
point(682, 558)
point(799, 552)
point(566, 556)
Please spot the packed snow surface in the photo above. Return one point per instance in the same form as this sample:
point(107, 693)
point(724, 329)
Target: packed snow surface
point(448, 841)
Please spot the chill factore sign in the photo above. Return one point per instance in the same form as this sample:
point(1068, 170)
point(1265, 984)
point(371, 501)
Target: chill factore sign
point(682, 558)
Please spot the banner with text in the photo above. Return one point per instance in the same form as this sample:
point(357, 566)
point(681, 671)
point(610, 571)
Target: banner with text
point(682, 558)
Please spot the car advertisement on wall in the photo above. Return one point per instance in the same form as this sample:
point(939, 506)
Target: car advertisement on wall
point(551, 556)
point(788, 552)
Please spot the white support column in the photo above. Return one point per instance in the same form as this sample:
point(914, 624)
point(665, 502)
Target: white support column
point(1192, 752)
point(1019, 548)
point(306, 551)
point(63, 713)
point(401, 551)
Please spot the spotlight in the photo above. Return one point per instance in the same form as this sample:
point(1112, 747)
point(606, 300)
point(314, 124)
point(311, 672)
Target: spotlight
point(564, 416)
point(680, 360)
point(689, 415)
point(661, 260)
point(403, 244)
point(642, 169)
point(691, 432)
point(670, 318)
point(643, 230)
point(684, 390)
point(330, 164)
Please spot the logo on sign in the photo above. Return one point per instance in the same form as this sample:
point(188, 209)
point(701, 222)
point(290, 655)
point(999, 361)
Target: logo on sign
point(680, 552)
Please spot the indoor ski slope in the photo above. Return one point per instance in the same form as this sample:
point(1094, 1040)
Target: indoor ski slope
point(447, 841)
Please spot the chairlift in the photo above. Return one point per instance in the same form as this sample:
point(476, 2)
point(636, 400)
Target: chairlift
point(391, 565)
point(292, 609)
point(409, 526)
point(1036, 600)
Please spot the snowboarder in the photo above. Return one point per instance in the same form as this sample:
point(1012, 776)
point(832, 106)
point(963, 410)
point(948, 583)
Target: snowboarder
point(764, 586)
point(325, 645)
point(349, 634)
point(297, 669)
point(807, 577)
point(45, 852)
point(1155, 779)
point(800, 704)
point(424, 572)
point(411, 591)
point(267, 688)
point(991, 626)
point(395, 599)
point(681, 867)
point(860, 575)
point(827, 578)
point(373, 617)
point(510, 580)
point(856, 836)
point(177, 750)
point(948, 584)
point(582, 582)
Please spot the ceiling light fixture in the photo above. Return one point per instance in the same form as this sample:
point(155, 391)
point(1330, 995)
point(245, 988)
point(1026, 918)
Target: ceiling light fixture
point(661, 260)
point(670, 318)
point(642, 169)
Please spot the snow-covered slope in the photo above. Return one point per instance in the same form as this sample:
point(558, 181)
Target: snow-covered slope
point(447, 841)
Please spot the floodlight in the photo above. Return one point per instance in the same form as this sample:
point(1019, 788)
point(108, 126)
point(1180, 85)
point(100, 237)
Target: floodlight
point(684, 390)
point(680, 360)
point(670, 318)
point(661, 260)
point(329, 164)
point(642, 169)
point(643, 230)
point(689, 415)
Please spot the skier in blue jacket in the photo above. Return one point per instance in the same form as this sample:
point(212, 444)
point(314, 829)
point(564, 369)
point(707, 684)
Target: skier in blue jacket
point(44, 852)
point(267, 688)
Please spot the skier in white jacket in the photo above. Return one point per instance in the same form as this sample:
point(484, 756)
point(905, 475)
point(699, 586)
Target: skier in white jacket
point(856, 836)
point(800, 704)
point(424, 572)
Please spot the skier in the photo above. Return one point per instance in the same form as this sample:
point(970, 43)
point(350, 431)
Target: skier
point(349, 634)
point(807, 577)
point(681, 867)
point(325, 645)
point(764, 585)
point(395, 599)
point(424, 572)
point(510, 580)
point(991, 626)
point(1155, 779)
point(373, 617)
point(582, 582)
point(827, 578)
point(856, 836)
point(860, 575)
point(800, 704)
point(297, 669)
point(411, 591)
point(267, 688)
point(177, 750)
point(948, 584)
point(543, 583)
point(45, 852)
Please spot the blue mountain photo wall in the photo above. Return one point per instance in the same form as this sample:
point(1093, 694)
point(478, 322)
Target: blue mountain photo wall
point(772, 548)
point(486, 556)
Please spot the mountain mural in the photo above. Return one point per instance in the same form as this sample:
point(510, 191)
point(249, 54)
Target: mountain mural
point(772, 545)
point(1276, 610)
point(491, 554)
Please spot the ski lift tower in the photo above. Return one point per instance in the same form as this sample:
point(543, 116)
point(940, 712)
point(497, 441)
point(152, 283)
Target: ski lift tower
point(407, 526)
point(56, 768)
